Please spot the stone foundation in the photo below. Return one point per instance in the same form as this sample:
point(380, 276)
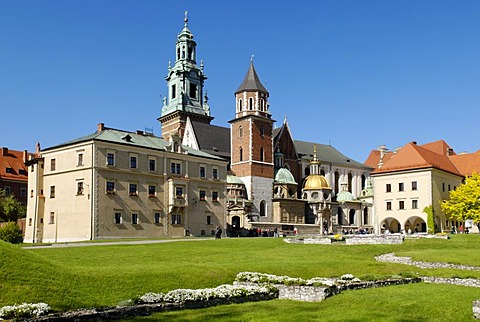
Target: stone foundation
point(374, 239)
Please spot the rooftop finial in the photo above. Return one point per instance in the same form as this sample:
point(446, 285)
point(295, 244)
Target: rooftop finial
point(251, 58)
point(186, 19)
point(315, 152)
point(285, 119)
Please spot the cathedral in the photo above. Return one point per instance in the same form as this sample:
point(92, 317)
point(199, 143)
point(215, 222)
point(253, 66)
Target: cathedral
point(274, 182)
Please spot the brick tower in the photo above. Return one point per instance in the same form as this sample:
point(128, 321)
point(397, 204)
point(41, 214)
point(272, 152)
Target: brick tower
point(252, 144)
point(185, 80)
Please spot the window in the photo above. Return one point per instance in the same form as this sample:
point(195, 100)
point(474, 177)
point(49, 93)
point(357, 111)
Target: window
point(215, 173)
point(263, 208)
point(152, 190)
point(53, 165)
point(214, 195)
point(52, 191)
point(176, 219)
point(31, 193)
point(110, 159)
point(80, 188)
point(443, 186)
point(9, 170)
point(132, 189)
point(401, 186)
point(80, 159)
point(262, 155)
point(52, 218)
point(157, 217)
point(240, 104)
point(117, 218)
point(179, 192)
point(262, 131)
point(240, 132)
point(8, 190)
point(414, 185)
point(241, 154)
point(23, 192)
point(29, 221)
point(202, 194)
point(134, 219)
point(414, 204)
point(22, 171)
point(202, 171)
point(110, 187)
point(133, 162)
point(174, 91)
point(448, 187)
point(401, 204)
point(389, 187)
point(193, 90)
point(152, 166)
point(176, 167)
point(389, 205)
point(250, 103)
point(209, 219)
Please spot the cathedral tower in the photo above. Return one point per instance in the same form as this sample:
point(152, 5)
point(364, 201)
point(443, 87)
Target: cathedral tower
point(252, 144)
point(186, 97)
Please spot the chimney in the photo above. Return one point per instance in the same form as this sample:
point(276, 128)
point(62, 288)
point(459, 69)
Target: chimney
point(4, 151)
point(25, 156)
point(100, 127)
point(414, 142)
point(383, 150)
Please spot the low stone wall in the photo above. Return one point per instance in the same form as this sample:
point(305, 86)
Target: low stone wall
point(319, 293)
point(374, 239)
point(309, 240)
point(476, 309)
point(470, 282)
point(125, 312)
point(391, 258)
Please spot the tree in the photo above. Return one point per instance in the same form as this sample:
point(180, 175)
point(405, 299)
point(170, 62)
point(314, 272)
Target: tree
point(464, 202)
point(10, 208)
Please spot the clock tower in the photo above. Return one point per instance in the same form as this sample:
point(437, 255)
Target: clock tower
point(186, 97)
point(252, 144)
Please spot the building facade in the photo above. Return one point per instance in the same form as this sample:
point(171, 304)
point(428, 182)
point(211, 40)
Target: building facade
point(119, 184)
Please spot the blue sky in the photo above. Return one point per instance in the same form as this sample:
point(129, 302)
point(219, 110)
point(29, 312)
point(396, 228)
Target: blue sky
point(354, 74)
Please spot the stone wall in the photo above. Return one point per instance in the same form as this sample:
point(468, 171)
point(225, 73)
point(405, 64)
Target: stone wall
point(309, 240)
point(470, 282)
point(476, 309)
point(374, 239)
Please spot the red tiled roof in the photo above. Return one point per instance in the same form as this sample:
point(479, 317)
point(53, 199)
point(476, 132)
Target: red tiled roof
point(439, 147)
point(467, 163)
point(374, 158)
point(412, 156)
point(14, 162)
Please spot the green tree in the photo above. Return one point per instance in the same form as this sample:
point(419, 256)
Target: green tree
point(10, 208)
point(464, 202)
point(11, 233)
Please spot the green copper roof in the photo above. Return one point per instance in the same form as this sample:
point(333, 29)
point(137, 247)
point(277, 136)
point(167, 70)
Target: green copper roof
point(231, 179)
point(345, 196)
point(147, 141)
point(283, 175)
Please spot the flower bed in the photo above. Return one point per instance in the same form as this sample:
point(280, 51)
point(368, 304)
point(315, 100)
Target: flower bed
point(24, 310)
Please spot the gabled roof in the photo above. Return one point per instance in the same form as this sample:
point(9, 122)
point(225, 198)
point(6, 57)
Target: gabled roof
point(467, 163)
point(251, 81)
point(14, 161)
point(412, 156)
point(326, 154)
point(148, 141)
point(279, 132)
point(213, 139)
point(439, 147)
point(374, 158)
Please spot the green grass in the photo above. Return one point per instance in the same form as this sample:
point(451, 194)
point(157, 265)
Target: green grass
point(102, 275)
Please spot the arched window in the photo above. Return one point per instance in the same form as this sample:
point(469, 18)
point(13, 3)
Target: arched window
point(365, 216)
point(352, 217)
point(262, 156)
point(240, 131)
point(337, 179)
point(263, 208)
point(250, 103)
point(364, 180)
point(240, 106)
point(322, 172)
point(241, 154)
point(340, 216)
point(350, 182)
point(261, 104)
point(178, 53)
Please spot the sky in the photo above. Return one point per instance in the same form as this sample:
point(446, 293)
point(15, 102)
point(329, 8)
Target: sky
point(355, 74)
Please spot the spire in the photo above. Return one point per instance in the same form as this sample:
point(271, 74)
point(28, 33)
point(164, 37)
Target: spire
point(186, 19)
point(251, 81)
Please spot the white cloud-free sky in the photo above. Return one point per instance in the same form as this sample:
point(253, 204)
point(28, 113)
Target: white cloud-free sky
point(354, 74)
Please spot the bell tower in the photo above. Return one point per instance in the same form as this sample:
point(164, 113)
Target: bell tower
point(185, 80)
point(252, 143)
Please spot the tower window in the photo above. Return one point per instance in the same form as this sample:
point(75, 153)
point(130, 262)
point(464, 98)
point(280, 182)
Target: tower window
point(240, 105)
point(193, 90)
point(261, 104)
point(262, 155)
point(262, 131)
point(250, 103)
point(174, 91)
point(241, 154)
point(263, 208)
point(178, 53)
point(240, 131)
point(190, 52)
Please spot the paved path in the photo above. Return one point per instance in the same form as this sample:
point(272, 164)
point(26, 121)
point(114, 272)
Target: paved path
point(120, 242)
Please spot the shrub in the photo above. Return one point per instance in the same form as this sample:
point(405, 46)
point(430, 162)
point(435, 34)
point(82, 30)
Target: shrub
point(11, 233)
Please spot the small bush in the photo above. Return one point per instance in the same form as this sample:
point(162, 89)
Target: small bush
point(11, 233)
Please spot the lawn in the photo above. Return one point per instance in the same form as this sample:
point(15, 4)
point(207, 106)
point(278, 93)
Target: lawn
point(98, 276)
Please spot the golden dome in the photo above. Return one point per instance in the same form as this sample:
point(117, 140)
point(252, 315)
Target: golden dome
point(316, 182)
